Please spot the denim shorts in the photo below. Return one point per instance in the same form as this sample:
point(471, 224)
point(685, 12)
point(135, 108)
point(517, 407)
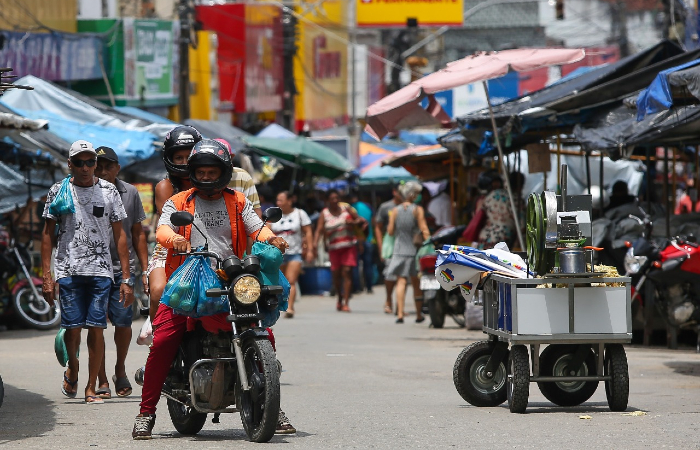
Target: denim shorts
point(84, 301)
point(118, 315)
point(291, 257)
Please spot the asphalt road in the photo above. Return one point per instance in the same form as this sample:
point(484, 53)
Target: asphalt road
point(358, 380)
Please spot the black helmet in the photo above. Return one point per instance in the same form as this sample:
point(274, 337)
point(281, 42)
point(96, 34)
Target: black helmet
point(179, 138)
point(209, 152)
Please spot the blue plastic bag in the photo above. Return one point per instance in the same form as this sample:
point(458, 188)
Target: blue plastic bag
point(271, 275)
point(181, 293)
point(62, 204)
point(207, 306)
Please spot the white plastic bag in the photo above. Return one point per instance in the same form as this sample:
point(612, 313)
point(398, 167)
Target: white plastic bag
point(145, 336)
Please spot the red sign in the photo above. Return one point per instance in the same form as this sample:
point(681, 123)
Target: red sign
point(250, 70)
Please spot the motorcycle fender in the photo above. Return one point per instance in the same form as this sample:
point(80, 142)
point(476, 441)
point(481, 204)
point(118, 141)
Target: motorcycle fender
point(429, 295)
point(253, 333)
point(22, 283)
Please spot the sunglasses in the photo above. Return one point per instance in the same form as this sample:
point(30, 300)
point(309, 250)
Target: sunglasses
point(83, 162)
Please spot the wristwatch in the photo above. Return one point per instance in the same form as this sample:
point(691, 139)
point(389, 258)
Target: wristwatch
point(128, 281)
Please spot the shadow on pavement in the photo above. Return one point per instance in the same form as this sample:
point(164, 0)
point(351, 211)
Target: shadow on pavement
point(691, 368)
point(229, 435)
point(25, 414)
point(546, 407)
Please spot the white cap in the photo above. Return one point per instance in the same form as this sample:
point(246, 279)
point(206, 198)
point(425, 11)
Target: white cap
point(81, 147)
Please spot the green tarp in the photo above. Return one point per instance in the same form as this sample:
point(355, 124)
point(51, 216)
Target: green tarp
point(312, 156)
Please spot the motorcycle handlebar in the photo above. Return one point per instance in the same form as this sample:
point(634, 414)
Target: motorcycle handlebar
point(216, 292)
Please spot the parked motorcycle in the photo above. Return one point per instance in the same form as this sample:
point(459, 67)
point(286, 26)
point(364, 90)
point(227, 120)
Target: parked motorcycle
point(20, 291)
point(440, 302)
point(673, 271)
point(232, 371)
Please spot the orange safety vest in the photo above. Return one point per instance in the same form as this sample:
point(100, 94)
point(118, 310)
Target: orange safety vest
point(235, 201)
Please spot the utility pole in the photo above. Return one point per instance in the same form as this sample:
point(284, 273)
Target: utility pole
point(290, 34)
point(185, 15)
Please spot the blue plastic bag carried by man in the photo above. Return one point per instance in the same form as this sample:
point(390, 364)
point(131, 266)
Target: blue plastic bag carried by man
point(63, 203)
point(186, 289)
point(271, 275)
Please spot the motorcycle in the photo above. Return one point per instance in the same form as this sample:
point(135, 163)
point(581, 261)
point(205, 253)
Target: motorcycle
point(232, 371)
point(440, 302)
point(20, 291)
point(672, 271)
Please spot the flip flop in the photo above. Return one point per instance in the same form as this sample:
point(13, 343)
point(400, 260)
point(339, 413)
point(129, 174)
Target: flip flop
point(120, 384)
point(104, 393)
point(69, 383)
point(93, 400)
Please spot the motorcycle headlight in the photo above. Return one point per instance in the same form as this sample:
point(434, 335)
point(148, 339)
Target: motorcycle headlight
point(633, 263)
point(246, 289)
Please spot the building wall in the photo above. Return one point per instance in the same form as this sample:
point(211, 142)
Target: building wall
point(34, 14)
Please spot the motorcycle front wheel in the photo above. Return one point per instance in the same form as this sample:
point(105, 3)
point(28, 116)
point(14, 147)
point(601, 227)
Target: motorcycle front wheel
point(186, 420)
point(260, 404)
point(35, 312)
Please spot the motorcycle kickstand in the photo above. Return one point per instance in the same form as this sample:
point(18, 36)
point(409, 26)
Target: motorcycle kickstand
point(241, 366)
point(215, 419)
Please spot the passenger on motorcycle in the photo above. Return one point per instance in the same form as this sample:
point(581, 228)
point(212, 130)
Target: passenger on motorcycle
point(227, 219)
point(176, 149)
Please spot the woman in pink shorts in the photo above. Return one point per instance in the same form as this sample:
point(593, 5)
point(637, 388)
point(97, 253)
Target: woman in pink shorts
point(337, 224)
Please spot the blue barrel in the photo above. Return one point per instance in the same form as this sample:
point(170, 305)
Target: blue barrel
point(315, 281)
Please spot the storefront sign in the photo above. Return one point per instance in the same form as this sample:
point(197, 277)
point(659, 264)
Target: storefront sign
point(148, 58)
point(52, 56)
point(396, 13)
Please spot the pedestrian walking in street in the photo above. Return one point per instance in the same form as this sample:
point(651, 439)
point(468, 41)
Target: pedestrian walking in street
point(406, 224)
point(381, 220)
point(121, 317)
point(336, 224)
point(366, 241)
point(83, 262)
point(295, 228)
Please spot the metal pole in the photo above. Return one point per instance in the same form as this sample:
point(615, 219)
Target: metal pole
point(501, 158)
point(184, 73)
point(558, 161)
point(601, 181)
point(588, 171)
point(674, 182)
point(452, 191)
point(668, 212)
point(648, 163)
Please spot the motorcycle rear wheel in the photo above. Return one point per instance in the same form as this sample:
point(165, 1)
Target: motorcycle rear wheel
point(260, 405)
point(186, 420)
point(436, 310)
point(35, 312)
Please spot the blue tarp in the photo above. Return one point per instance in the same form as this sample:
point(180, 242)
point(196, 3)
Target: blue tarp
point(145, 115)
point(420, 137)
point(657, 97)
point(130, 145)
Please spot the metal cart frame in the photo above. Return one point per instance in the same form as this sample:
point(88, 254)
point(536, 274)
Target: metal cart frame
point(594, 321)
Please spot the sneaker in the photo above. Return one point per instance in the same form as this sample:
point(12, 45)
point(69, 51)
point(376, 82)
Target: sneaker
point(283, 425)
point(143, 426)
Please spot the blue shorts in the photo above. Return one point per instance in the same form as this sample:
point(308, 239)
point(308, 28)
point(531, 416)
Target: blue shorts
point(118, 315)
point(291, 257)
point(84, 301)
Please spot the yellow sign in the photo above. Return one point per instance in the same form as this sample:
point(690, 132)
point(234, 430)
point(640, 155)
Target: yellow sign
point(396, 13)
point(145, 191)
point(320, 67)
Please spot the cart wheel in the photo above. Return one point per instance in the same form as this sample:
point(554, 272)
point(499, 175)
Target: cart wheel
point(553, 362)
point(471, 380)
point(518, 381)
point(617, 390)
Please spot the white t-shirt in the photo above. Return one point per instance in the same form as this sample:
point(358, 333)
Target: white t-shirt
point(289, 229)
point(84, 236)
point(441, 208)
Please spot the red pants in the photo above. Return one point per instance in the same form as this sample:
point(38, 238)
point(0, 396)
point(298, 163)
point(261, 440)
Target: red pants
point(168, 329)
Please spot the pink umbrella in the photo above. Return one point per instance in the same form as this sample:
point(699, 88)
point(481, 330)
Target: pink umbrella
point(402, 109)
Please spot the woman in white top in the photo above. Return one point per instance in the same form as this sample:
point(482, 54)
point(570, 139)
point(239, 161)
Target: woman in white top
point(295, 228)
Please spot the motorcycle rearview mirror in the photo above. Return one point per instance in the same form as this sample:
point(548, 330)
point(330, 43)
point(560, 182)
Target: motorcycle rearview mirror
point(272, 214)
point(181, 219)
